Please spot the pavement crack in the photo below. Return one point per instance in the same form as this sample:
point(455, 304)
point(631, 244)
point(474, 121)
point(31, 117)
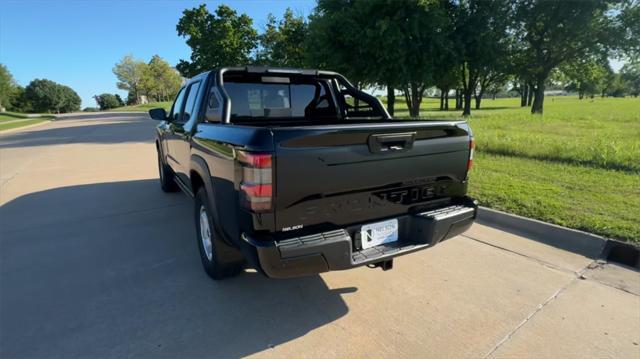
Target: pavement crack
point(579, 276)
point(537, 260)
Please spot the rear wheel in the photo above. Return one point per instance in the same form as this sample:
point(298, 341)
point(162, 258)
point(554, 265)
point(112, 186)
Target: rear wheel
point(166, 176)
point(219, 259)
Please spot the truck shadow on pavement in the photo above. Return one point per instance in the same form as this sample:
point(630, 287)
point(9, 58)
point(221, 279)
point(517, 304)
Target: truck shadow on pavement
point(112, 270)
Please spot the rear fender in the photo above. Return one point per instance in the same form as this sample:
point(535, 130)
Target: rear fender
point(199, 165)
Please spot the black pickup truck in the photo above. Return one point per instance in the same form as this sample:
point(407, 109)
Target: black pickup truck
point(296, 172)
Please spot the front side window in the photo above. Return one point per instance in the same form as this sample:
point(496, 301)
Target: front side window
point(190, 104)
point(177, 106)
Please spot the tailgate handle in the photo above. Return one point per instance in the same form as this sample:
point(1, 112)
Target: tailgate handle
point(391, 142)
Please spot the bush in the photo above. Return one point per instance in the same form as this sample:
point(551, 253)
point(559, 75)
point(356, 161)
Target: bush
point(48, 96)
point(90, 109)
point(108, 101)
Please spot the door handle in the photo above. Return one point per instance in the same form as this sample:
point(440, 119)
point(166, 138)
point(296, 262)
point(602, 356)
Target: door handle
point(391, 142)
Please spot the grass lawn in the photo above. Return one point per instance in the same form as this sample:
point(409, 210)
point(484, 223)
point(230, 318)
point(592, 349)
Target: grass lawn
point(578, 165)
point(12, 116)
point(144, 108)
point(600, 201)
point(16, 124)
point(9, 120)
point(600, 132)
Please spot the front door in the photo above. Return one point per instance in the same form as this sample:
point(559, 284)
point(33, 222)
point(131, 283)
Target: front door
point(181, 130)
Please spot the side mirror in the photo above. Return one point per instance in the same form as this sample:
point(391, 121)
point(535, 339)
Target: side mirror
point(158, 114)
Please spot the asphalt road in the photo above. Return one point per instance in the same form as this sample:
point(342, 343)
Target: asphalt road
point(97, 262)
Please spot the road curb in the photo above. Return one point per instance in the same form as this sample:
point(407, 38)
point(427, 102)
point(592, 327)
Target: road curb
point(572, 240)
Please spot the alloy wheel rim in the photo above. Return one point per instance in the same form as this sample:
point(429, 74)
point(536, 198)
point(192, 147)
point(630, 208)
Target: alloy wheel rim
point(205, 233)
point(160, 169)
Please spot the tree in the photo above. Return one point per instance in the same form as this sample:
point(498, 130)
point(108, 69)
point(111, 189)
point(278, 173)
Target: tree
point(492, 82)
point(130, 72)
point(332, 41)
point(216, 40)
point(108, 101)
point(586, 76)
point(482, 29)
point(48, 96)
point(7, 87)
point(446, 80)
point(18, 101)
point(630, 74)
point(616, 86)
point(396, 44)
point(557, 31)
point(159, 80)
point(131, 99)
point(332, 36)
point(282, 43)
point(419, 46)
point(629, 29)
point(70, 100)
point(119, 99)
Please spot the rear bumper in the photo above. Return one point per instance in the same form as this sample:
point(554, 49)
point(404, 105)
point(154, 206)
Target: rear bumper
point(335, 250)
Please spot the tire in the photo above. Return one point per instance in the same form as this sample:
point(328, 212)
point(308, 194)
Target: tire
point(166, 176)
point(219, 259)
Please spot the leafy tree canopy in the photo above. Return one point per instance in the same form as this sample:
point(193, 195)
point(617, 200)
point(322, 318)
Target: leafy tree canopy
point(130, 72)
point(630, 73)
point(157, 79)
point(160, 81)
point(7, 86)
point(108, 101)
point(282, 43)
point(48, 96)
point(586, 76)
point(216, 40)
point(395, 43)
point(556, 31)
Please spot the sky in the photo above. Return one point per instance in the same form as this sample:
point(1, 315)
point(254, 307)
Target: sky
point(77, 43)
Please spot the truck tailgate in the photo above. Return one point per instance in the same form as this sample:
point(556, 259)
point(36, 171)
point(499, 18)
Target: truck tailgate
point(346, 174)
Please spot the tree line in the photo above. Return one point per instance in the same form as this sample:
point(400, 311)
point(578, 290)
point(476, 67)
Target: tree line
point(40, 95)
point(468, 47)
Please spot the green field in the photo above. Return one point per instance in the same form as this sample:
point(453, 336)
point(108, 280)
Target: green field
point(9, 120)
point(12, 116)
point(606, 202)
point(600, 133)
point(143, 108)
point(578, 165)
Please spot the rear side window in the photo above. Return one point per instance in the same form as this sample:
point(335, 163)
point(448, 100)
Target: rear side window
point(255, 100)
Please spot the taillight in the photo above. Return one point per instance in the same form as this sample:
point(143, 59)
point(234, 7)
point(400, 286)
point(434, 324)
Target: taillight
point(255, 188)
point(472, 147)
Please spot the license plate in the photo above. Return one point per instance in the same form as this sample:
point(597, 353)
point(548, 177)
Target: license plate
point(379, 233)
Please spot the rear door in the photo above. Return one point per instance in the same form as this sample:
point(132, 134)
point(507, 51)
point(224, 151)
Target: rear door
point(346, 174)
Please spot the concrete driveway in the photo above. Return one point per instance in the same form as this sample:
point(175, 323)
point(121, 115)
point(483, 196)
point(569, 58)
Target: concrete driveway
point(97, 262)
